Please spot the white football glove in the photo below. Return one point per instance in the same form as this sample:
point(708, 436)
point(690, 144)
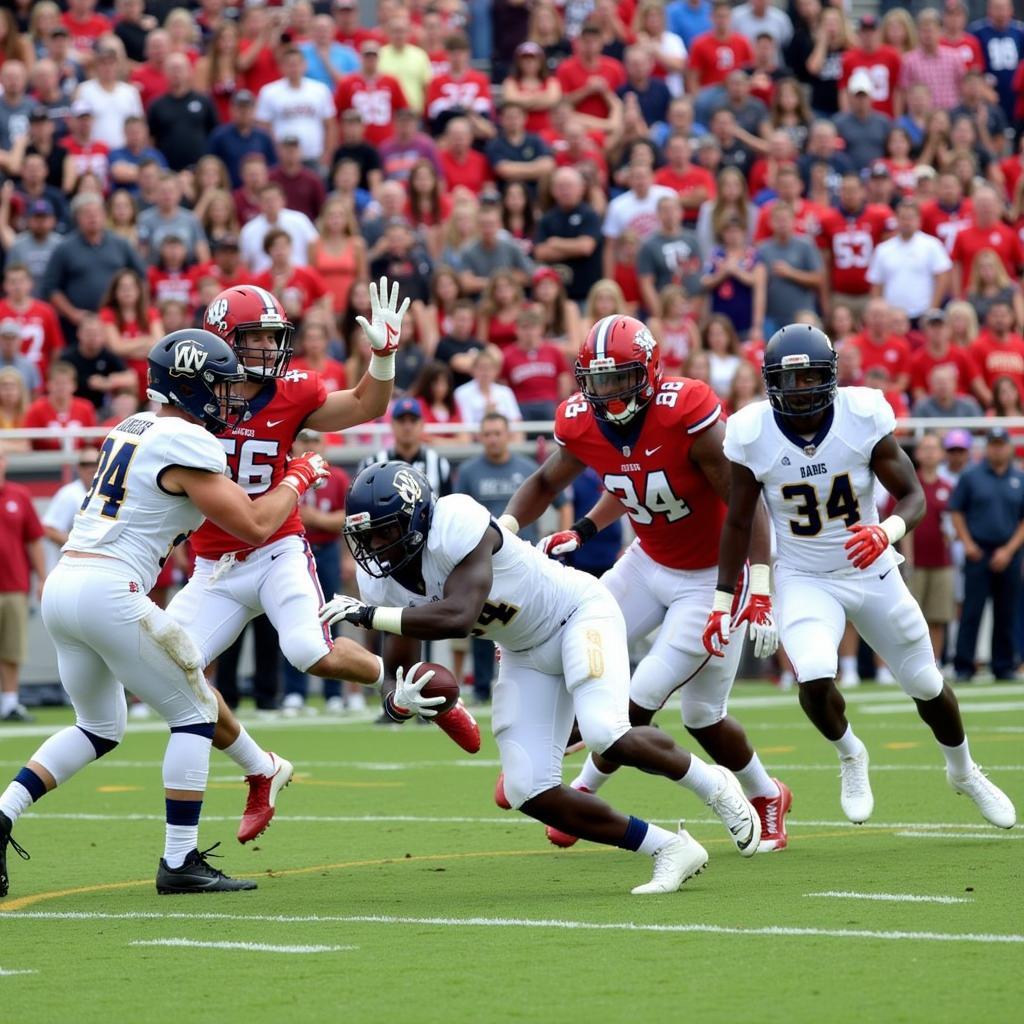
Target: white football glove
point(384, 331)
point(342, 608)
point(407, 696)
point(564, 542)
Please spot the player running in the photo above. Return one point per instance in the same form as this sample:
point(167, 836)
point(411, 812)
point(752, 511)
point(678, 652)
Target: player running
point(656, 442)
point(158, 476)
point(232, 582)
point(813, 451)
point(430, 569)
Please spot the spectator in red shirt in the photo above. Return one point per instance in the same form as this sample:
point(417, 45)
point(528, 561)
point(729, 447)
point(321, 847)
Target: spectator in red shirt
point(131, 327)
point(713, 56)
point(59, 409)
point(168, 278)
point(301, 289)
point(461, 92)
point(531, 85)
point(348, 30)
point(589, 80)
point(377, 97)
point(962, 43)
point(883, 64)
point(260, 36)
point(312, 355)
point(84, 24)
point(880, 348)
point(462, 165)
point(255, 177)
point(303, 189)
point(986, 231)
point(878, 377)
point(948, 213)
point(938, 350)
point(225, 267)
point(535, 369)
point(149, 77)
point(21, 554)
point(808, 217)
point(694, 184)
point(998, 351)
point(41, 338)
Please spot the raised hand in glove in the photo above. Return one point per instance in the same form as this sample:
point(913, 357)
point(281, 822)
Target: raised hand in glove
point(384, 331)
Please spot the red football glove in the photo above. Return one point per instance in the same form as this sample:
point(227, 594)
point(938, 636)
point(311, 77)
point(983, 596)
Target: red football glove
point(556, 545)
point(306, 471)
point(866, 544)
point(763, 632)
point(719, 625)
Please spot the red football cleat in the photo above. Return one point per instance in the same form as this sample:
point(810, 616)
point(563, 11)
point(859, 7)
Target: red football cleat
point(263, 790)
point(461, 726)
point(772, 811)
point(557, 836)
point(499, 793)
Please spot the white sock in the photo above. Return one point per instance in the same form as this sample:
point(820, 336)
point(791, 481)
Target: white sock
point(14, 801)
point(590, 776)
point(700, 779)
point(958, 759)
point(249, 755)
point(756, 781)
point(8, 702)
point(848, 665)
point(656, 838)
point(179, 842)
point(848, 745)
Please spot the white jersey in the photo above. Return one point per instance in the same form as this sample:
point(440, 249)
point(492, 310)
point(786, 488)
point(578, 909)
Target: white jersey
point(126, 514)
point(531, 595)
point(815, 488)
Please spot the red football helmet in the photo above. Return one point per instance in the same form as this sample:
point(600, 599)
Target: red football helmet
point(618, 368)
point(243, 310)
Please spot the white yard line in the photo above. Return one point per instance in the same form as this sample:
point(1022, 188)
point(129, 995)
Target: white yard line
point(1000, 834)
point(11, 974)
point(887, 897)
point(553, 924)
point(971, 707)
point(247, 947)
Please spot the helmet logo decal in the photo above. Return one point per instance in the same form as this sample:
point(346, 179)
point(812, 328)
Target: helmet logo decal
point(216, 315)
point(408, 487)
point(797, 359)
point(189, 359)
point(644, 341)
point(359, 521)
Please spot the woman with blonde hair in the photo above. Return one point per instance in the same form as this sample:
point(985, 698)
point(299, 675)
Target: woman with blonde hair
point(14, 46)
point(605, 298)
point(962, 321)
point(220, 215)
point(122, 214)
point(562, 323)
point(723, 348)
point(14, 399)
point(989, 283)
point(44, 19)
point(732, 200)
point(500, 306)
point(546, 31)
point(459, 231)
point(217, 72)
point(339, 254)
point(675, 329)
point(789, 112)
point(666, 49)
point(898, 30)
point(747, 387)
point(210, 175)
point(182, 33)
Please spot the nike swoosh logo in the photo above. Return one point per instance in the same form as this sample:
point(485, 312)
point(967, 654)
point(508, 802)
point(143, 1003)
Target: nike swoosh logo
point(278, 555)
point(274, 423)
point(886, 573)
point(650, 451)
point(743, 844)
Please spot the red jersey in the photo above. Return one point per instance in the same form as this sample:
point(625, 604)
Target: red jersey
point(715, 59)
point(263, 70)
point(676, 513)
point(884, 68)
point(893, 353)
point(533, 376)
point(901, 173)
point(807, 220)
point(358, 36)
point(84, 33)
point(19, 526)
point(328, 498)
point(376, 102)
point(931, 542)
point(41, 413)
point(923, 362)
point(972, 239)
point(470, 92)
point(968, 49)
point(212, 270)
point(131, 329)
point(943, 223)
point(258, 451)
point(151, 83)
point(850, 239)
point(693, 177)
point(999, 359)
point(1012, 168)
point(333, 374)
point(170, 284)
point(474, 172)
point(304, 286)
point(93, 157)
point(41, 338)
point(572, 75)
point(760, 173)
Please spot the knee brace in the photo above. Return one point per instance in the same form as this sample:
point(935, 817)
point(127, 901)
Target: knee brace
point(700, 711)
point(522, 780)
point(916, 671)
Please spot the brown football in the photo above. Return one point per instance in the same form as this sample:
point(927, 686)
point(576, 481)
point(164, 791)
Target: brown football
point(442, 685)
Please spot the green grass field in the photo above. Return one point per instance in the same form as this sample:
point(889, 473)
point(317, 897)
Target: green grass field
point(401, 893)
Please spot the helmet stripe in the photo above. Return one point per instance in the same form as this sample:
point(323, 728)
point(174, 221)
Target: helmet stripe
point(269, 305)
point(600, 342)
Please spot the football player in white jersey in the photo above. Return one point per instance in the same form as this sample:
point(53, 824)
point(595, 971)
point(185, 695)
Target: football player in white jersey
point(158, 476)
point(430, 569)
point(814, 450)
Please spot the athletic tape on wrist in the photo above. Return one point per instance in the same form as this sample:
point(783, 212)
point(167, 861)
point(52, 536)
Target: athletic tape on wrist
point(760, 579)
point(723, 602)
point(382, 367)
point(388, 620)
point(895, 528)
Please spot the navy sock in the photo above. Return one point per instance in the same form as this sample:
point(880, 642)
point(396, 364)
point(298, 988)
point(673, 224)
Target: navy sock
point(636, 832)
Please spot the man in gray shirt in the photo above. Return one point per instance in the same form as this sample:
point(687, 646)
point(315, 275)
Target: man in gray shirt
point(491, 252)
point(670, 256)
point(15, 105)
point(942, 399)
point(34, 247)
point(862, 127)
point(83, 264)
point(169, 217)
point(794, 270)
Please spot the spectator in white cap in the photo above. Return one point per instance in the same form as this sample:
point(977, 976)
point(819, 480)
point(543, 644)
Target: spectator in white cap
point(861, 125)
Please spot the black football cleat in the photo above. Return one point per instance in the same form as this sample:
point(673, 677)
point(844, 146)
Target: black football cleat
point(196, 875)
point(6, 839)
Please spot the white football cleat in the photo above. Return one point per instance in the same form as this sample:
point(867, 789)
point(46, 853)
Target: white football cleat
point(334, 706)
point(995, 806)
point(855, 796)
point(736, 811)
point(674, 863)
point(849, 680)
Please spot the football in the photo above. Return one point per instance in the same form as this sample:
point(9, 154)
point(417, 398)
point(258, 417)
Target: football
point(442, 685)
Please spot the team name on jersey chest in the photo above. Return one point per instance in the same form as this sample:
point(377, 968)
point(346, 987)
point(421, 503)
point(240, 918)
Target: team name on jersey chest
point(814, 469)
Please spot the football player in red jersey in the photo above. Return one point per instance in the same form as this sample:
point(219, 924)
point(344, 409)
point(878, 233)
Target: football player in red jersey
point(233, 583)
point(656, 442)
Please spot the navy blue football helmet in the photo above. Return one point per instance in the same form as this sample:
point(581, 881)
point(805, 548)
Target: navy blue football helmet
point(387, 516)
point(197, 372)
point(790, 350)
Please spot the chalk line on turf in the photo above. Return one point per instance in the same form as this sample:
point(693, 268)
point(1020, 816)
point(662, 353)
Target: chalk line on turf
point(247, 947)
point(887, 897)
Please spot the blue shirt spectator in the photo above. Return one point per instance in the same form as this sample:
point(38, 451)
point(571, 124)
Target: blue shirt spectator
point(238, 138)
point(689, 19)
point(1002, 46)
point(324, 56)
